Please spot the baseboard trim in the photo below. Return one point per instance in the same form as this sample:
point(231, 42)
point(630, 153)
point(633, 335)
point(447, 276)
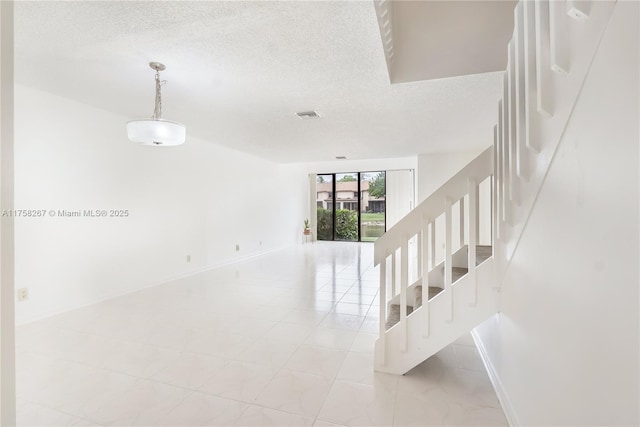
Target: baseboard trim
point(507, 407)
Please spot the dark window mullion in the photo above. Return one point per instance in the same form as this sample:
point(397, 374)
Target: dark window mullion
point(385, 201)
point(335, 204)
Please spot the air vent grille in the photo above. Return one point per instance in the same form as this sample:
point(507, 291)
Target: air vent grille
point(307, 115)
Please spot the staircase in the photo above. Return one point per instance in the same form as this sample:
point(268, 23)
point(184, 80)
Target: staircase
point(430, 296)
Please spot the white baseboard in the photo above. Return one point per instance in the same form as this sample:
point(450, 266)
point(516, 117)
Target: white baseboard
point(507, 407)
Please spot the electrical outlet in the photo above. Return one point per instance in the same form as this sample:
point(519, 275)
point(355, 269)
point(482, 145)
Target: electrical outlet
point(237, 248)
point(22, 294)
point(188, 258)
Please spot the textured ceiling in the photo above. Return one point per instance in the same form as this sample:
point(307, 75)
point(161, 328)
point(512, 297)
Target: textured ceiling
point(238, 72)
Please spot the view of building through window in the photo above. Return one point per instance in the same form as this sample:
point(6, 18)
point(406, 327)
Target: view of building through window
point(372, 216)
point(351, 206)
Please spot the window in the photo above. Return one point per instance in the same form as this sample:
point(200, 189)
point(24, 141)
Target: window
point(358, 213)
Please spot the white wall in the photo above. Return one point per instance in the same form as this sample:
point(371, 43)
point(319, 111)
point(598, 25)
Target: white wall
point(198, 199)
point(400, 198)
point(7, 299)
point(565, 346)
point(436, 169)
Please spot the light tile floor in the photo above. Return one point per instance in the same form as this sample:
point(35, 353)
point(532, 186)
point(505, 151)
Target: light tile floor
point(285, 339)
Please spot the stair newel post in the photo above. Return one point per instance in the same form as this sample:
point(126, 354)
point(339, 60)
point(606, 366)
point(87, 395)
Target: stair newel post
point(383, 307)
point(425, 276)
point(404, 278)
point(473, 229)
point(448, 258)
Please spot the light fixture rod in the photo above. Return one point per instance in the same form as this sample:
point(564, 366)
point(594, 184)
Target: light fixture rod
point(157, 111)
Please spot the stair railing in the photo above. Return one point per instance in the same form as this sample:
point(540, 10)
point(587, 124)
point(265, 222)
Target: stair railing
point(548, 59)
point(419, 225)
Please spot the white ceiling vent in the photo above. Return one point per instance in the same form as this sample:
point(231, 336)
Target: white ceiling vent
point(308, 115)
point(341, 157)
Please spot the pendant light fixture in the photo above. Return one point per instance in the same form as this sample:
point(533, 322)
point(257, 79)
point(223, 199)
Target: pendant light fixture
point(156, 131)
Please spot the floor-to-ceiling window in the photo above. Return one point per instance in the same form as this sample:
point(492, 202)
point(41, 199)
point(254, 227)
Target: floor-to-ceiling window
point(324, 200)
point(351, 206)
point(372, 205)
point(346, 189)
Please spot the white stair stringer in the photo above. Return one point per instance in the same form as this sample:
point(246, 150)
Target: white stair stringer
point(442, 332)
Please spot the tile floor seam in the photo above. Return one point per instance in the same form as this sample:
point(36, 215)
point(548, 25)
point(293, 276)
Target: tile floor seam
point(244, 402)
point(273, 409)
point(395, 405)
point(324, 401)
point(282, 410)
point(62, 412)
